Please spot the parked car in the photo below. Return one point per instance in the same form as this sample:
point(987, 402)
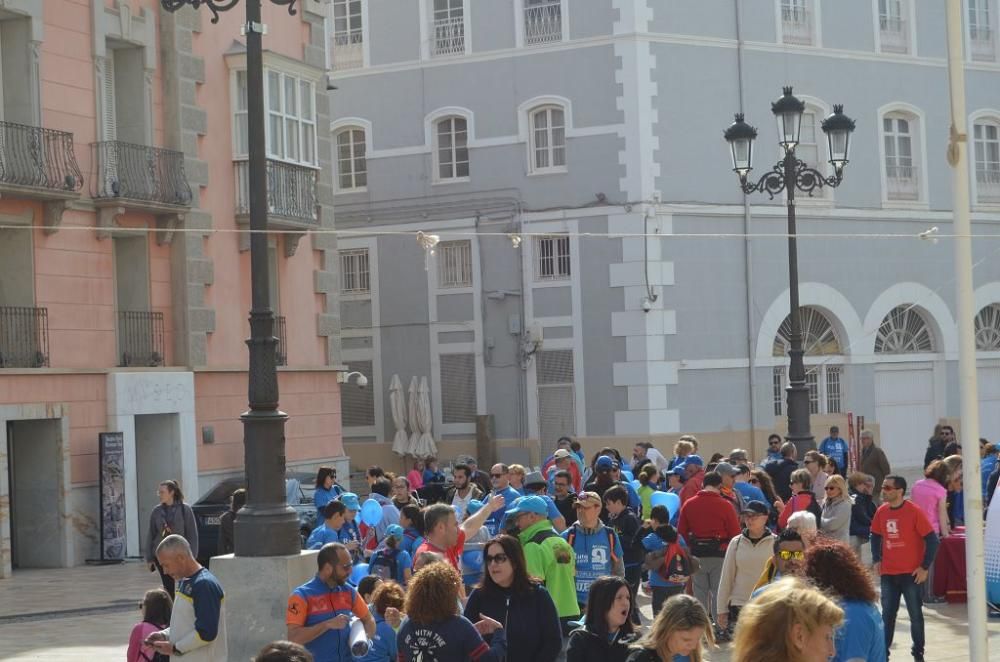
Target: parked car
point(209, 508)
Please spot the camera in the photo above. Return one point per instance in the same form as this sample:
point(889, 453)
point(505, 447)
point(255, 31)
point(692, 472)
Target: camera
point(647, 305)
point(362, 382)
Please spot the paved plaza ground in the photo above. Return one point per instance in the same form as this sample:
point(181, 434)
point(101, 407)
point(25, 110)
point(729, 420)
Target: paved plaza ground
point(86, 613)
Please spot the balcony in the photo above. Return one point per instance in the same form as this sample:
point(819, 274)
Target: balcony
point(449, 36)
point(796, 25)
point(292, 200)
point(141, 178)
point(39, 164)
point(902, 182)
point(140, 338)
point(543, 23)
point(894, 34)
point(981, 38)
point(24, 337)
point(988, 184)
point(348, 51)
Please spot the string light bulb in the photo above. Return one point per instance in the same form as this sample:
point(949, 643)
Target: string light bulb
point(515, 239)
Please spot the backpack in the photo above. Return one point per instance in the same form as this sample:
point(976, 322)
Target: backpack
point(571, 536)
point(385, 564)
point(675, 564)
point(814, 508)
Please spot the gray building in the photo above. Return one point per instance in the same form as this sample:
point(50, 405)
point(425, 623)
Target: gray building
point(599, 272)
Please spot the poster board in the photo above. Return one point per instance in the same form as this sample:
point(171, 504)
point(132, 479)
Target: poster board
point(112, 489)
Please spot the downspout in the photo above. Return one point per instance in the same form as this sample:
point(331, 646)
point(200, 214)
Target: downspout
point(747, 249)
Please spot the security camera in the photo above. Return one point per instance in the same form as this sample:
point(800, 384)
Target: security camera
point(345, 378)
point(647, 305)
point(362, 382)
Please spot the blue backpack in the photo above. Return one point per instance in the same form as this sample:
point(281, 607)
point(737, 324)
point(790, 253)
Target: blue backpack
point(385, 564)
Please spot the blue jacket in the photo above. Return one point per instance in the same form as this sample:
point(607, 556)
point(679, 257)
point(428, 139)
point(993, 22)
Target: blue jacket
point(322, 535)
point(598, 553)
point(653, 542)
point(838, 450)
point(987, 465)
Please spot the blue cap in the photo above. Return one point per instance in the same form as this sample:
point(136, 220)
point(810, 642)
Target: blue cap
point(474, 506)
point(695, 460)
point(678, 470)
point(394, 531)
point(350, 499)
point(605, 462)
point(529, 504)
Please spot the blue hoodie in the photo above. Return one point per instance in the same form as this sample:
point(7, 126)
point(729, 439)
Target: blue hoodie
point(653, 542)
point(594, 555)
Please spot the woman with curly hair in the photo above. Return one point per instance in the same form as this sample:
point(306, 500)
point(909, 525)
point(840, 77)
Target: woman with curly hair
point(676, 633)
point(789, 621)
point(435, 631)
point(835, 570)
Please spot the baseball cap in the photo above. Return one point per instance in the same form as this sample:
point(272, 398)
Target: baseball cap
point(678, 470)
point(695, 460)
point(529, 504)
point(561, 454)
point(350, 499)
point(394, 531)
point(605, 462)
point(588, 499)
point(726, 469)
point(474, 506)
point(756, 508)
point(534, 478)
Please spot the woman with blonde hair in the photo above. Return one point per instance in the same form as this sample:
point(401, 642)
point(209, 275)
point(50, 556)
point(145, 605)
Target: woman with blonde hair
point(682, 449)
point(676, 633)
point(517, 474)
point(789, 621)
point(835, 520)
point(815, 464)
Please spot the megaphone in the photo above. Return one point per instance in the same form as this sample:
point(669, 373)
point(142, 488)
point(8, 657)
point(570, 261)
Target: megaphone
point(358, 639)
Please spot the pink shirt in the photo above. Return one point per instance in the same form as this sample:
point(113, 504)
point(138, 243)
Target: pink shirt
point(927, 493)
point(135, 647)
point(416, 479)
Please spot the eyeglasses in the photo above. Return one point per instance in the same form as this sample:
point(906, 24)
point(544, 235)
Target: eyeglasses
point(499, 558)
point(787, 554)
point(497, 475)
point(889, 488)
point(830, 488)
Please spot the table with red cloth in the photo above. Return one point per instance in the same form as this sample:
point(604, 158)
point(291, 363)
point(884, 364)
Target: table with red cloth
point(949, 567)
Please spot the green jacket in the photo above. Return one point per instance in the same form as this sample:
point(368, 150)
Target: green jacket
point(554, 562)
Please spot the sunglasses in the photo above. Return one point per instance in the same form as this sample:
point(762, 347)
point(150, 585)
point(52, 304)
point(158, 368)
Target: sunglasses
point(889, 488)
point(497, 475)
point(498, 558)
point(787, 554)
point(831, 488)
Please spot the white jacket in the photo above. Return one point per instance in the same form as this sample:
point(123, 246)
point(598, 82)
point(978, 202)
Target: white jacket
point(741, 568)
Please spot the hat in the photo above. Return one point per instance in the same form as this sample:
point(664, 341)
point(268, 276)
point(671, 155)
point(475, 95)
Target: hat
point(394, 531)
point(695, 460)
point(606, 463)
point(561, 454)
point(678, 470)
point(350, 499)
point(588, 499)
point(474, 506)
point(726, 469)
point(534, 478)
point(756, 508)
point(529, 504)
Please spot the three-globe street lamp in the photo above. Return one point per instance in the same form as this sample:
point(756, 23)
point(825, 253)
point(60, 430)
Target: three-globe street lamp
point(788, 175)
point(266, 525)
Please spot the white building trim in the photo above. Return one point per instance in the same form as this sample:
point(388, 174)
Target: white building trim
point(830, 301)
point(977, 116)
point(920, 137)
point(636, 99)
point(920, 296)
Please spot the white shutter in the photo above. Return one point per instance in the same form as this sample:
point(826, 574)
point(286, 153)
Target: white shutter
point(458, 388)
point(358, 404)
point(109, 120)
point(556, 397)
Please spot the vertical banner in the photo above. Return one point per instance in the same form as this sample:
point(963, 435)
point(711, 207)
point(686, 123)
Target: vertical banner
point(852, 445)
point(112, 480)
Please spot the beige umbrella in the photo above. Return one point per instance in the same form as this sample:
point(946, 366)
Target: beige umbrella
point(411, 446)
point(425, 444)
point(397, 404)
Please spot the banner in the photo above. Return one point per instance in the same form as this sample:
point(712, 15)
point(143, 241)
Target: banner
point(852, 445)
point(112, 480)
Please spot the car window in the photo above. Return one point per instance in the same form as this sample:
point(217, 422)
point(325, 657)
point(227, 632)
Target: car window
point(221, 492)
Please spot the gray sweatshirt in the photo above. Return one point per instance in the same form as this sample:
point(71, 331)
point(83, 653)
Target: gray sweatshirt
point(177, 518)
point(836, 519)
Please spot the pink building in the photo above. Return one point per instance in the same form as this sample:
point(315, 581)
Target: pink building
point(124, 279)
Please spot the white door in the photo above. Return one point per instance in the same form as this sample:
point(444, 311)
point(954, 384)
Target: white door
point(904, 410)
point(989, 402)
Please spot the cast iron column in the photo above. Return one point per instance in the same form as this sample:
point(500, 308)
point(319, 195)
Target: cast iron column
point(266, 526)
point(798, 393)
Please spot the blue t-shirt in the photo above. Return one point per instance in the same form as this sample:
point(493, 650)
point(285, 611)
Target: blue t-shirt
point(454, 640)
point(837, 449)
point(322, 535)
point(411, 540)
point(383, 644)
point(862, 634)
point(595, 556)
point(403, 562)
point(750, 492)
point(349, 533)
point(497, 518)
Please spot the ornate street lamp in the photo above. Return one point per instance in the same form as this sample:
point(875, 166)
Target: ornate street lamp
point(266, 526)
point(788, 175)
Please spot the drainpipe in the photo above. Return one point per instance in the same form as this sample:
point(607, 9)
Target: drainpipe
point(747, 249)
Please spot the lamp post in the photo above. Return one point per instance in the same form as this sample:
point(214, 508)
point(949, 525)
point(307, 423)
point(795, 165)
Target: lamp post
point(788, 175)
point(266, 526)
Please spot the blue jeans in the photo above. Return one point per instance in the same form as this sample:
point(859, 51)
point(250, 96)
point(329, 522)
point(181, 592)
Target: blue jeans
point(894, 587)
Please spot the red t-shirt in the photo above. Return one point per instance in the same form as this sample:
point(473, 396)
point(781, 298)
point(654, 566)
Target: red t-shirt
point(902, 530)
point(452, 554)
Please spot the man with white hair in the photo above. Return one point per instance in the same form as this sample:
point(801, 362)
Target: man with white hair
point(198, 620)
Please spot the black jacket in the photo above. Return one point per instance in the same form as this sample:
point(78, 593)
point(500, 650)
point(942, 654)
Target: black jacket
point(645, 655)
point(568, 510)
point(935, 451)
point(585, 646)
point(627, 526)
point(534, 633)
point(862, 513)
point(780, 472)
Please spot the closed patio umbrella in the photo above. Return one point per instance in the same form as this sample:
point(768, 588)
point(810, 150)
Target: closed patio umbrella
point(414, 402)
point(425, 444)
point(397, 404)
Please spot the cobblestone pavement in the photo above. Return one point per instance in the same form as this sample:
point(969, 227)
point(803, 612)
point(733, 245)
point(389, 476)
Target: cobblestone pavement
point(86, 613)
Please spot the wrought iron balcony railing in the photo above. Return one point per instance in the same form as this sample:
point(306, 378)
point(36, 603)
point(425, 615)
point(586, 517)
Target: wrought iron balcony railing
point(543, 23)
point(348, 50)
point(291, 192)
point(140, 338)
point(24, 337)
point(140, 173)
point(449, 36)
point(40, 158)
point(282, 348)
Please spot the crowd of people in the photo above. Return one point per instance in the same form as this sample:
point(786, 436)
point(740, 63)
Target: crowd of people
point(547, 565)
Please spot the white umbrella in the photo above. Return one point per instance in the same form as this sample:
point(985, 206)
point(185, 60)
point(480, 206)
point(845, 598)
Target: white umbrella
point(397, 404)
point(425, 445)
point(411, 446)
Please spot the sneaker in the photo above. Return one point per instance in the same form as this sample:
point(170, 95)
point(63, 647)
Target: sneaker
point(722, 636)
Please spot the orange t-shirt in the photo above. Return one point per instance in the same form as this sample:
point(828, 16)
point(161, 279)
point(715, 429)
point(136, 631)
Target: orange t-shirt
point(902, 530)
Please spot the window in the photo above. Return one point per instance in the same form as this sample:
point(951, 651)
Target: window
point(797, 21)
point(448, 28)
point(818, 335)
point(542, 21)
point(354, 274)
point(819, 338)
point(981, 30)
point(902, 178)
point(552, 258)
point(904, 331)
point(454, 262)
point(452, 148)
point(352, 169)
point(347, 47)
point(458, 388)
point(548, 139)
point(894, 35)
point(357, 405)
point(823, 382)
point(988, 328)
point(986, 145)
point(291, 117)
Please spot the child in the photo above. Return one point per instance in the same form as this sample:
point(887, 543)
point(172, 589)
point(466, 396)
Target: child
point(431, 472)
point(627, 525)
point(390, 562)
point(156, 606)
point(668, 563)
point(411, 518)
point(367, 586)
point(648, 478)
point(472, 553)
point(386, 604)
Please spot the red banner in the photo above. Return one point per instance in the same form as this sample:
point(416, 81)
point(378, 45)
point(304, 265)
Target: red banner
point(852, 443)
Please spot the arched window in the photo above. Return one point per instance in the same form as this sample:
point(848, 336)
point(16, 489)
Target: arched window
point(452, 148)
point(988, 328)
point(547, 139)
point(904, 331)
point(819, 339)
point(352, 167)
